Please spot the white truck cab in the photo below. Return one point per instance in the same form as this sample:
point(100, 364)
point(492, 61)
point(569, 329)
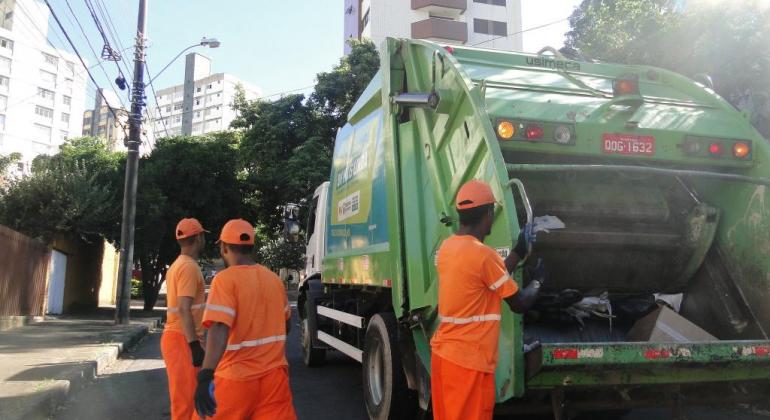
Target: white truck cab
point(316, 231)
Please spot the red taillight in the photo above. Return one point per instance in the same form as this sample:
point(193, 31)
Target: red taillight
point(533, 132)
point(716, 149)
point(449, 49)
point(565, 353)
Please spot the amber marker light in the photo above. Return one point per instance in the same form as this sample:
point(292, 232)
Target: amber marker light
point(505, 130)
point(741, 149)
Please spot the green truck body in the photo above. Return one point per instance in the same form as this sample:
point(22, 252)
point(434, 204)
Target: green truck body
point(661, 185)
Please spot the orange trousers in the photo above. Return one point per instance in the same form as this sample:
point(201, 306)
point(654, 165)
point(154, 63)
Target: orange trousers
point(265, 398)
point(459, 393)
point(181, 375)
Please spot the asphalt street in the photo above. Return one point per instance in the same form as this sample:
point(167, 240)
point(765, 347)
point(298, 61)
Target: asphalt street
point(135, 387)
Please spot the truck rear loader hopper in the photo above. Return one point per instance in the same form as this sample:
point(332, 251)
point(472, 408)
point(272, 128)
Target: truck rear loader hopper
point(659, 182)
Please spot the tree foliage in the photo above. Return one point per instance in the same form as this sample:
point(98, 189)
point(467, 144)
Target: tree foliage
point(725, 40)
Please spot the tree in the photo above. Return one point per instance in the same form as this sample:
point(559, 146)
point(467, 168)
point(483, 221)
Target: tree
point(725, 40)
point(71, 193)
point(5, 162)
point(183, 177)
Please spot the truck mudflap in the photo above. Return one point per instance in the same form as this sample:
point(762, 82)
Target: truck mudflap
point(640, 363)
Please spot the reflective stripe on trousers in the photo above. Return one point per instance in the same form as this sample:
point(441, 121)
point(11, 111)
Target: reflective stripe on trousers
point(257, 342)
point(475, 318)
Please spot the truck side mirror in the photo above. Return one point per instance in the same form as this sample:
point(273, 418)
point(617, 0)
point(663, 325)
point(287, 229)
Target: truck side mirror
point(291, 222)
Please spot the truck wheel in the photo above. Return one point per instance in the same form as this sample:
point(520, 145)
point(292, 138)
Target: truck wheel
point(385, 390)
point(311, 355)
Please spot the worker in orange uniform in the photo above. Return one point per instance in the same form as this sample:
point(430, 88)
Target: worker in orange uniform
point(473, 280)
point(245, 372)
point(181, 340)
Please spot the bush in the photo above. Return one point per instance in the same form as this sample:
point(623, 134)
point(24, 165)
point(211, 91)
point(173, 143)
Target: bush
point(136, 288)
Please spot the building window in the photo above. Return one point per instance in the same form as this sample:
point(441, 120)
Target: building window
point(47, 76)
point(492, 2)
point(168, 109)
point(6, 43)
point(5, 65)
point(46, 94)
point(50, 59)
point(2, 122)
point(44, 112)
point(6, 14)
point(197, 114)
point(198, 89)
point(65, 118)
point(490, 27)
point(71, 68)
point(217, 108)
point(197, 102)
point(67, 101)
point(43, 132)
point(3, 102)
point(218, 95)
point(210, 85)
point(63, 136)
point(178, 118)
point(177, 106)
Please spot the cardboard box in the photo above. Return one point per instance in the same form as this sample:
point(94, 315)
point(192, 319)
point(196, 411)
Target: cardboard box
point(666, 326)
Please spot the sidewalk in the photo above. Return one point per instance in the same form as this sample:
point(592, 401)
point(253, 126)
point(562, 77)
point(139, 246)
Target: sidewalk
point(40, 363)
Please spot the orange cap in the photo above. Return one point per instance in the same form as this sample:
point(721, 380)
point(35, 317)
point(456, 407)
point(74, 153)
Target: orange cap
point(473, 194)
point(188, 227)
point(237, 232)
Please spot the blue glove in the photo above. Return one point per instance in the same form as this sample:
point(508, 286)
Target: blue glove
point(527, 236)
point(205, 404)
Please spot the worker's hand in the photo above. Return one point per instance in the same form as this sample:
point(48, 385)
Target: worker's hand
point(197, 353)
point(537, 272)
point(205, 404)
point(527, 237)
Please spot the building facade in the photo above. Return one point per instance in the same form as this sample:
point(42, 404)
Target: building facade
point(202, 104)
point(107, 120)
point(494, 24)
point(42, 89)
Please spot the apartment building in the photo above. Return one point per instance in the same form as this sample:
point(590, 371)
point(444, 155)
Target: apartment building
point(42, 88)
point(494, 24)
point(202, 104)
point(107, 120)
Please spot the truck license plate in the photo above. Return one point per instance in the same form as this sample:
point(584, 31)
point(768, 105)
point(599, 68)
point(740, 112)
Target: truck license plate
point(628, 144)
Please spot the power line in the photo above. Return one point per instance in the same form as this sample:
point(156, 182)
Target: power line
point(91, 76)
point(155, 95)
point(520, 32)
point(96, 56)
point(113, 33)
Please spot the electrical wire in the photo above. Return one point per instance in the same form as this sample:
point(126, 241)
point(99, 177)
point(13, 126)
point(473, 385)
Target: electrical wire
point(93, 50)
point(80, 57)
point(155, 95)
point(520, 32)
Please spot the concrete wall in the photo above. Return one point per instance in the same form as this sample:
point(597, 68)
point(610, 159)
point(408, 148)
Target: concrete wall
point(109, 282)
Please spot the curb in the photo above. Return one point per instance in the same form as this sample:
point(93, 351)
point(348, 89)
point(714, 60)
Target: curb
point(46, 396)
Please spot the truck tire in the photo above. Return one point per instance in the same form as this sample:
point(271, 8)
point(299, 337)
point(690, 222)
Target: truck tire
point(386, 393)
point(311, 355)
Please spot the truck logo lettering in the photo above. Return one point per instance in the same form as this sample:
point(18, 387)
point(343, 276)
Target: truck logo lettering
point(354, 167)
point(553, 64)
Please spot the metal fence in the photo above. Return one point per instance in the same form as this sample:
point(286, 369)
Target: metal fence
point(23, 270)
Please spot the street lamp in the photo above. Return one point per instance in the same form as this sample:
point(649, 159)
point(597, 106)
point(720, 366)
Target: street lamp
point(132, 163)
point(205, 42)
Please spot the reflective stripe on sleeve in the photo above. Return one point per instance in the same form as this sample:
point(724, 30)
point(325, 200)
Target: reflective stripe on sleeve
point(257, 342)
point(197, 306)
point(476, 318)
point(496, 285)
point(220, 308)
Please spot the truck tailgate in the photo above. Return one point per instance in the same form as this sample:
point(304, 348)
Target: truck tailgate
point(628, 363)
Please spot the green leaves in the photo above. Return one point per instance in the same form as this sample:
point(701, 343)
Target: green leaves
point(725, 40)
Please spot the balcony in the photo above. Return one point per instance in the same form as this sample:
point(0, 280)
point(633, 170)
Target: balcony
point(443, 8)
point(440, 30)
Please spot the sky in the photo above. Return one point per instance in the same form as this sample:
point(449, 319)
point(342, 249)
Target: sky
point(278, 46)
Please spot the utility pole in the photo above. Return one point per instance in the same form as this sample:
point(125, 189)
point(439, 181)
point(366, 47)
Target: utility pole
point(132, 168)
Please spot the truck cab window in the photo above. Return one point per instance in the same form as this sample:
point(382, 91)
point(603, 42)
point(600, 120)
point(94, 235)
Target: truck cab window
point(311, 217)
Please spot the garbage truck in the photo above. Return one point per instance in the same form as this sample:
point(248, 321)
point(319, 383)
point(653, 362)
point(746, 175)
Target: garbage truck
point(659, 183)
